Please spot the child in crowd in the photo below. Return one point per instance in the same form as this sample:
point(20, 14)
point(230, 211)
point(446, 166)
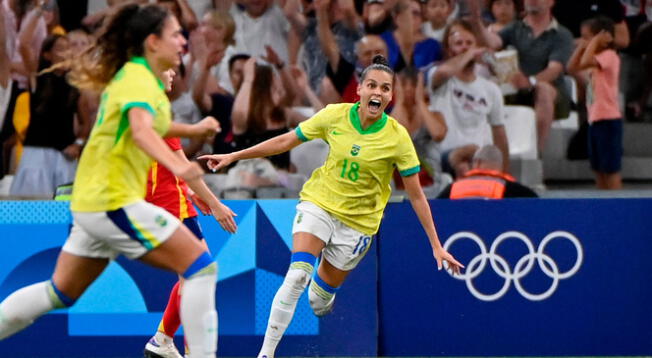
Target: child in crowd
point(503, 12)
point(436, 18)
point(595, 53)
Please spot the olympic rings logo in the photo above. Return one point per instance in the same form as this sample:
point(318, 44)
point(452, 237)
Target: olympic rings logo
point(523, 266)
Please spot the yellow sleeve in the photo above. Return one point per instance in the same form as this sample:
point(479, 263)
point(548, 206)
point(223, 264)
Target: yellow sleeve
point(317, 125)
point(407, 161)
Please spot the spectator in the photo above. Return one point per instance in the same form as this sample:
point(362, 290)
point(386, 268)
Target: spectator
point(51, 146)
point(504, 13)
point(5, 74)
point(427, 129)
point(182, 11)
point(261, 23)
point(472, 106)
point(486, 180)
point(343, 74)
point(344, 24)
point(606, 127)
point(406, 45)
point(25, 28)
point(572, 14)
point(216, 104)
point(376, 16)
point(259, 113)
point(543, 46)
point(436, 16)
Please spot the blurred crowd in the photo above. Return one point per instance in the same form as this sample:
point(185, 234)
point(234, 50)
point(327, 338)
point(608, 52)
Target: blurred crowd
point(262, 66)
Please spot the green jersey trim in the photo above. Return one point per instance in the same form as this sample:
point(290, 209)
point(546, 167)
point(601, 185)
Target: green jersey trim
point(300, 134)
point(142, 61)
point(411, 171)
point(124, 118)
point(355, 121)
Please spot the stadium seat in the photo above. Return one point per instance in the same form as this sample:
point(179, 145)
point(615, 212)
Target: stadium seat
point(5, 184)
point(520, 125)
point(572, 122)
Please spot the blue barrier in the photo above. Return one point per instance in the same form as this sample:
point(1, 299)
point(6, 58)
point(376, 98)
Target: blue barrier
point(564, 278)
point(110, 322)
point(543, 278)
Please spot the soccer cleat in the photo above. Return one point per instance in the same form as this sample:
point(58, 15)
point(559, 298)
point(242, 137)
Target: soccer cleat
point(154, 349)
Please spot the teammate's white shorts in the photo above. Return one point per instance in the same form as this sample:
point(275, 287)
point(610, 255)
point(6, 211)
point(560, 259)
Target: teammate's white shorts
point(132, 231)
point(345, 246)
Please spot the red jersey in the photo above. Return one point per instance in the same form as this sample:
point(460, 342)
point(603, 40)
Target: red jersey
point(164, 189)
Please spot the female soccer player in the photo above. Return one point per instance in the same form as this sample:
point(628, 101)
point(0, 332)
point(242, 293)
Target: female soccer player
point(110, 216)
point(173, 194)
point(342, 203)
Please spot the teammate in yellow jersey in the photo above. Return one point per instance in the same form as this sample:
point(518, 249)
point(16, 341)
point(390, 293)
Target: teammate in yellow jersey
point(342, 204)
point(136, 45)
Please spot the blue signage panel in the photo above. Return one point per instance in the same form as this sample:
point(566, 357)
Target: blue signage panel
point(542, 278)
point(121, 310)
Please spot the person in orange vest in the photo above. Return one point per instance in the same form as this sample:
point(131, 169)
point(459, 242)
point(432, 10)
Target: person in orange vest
point(486, 180)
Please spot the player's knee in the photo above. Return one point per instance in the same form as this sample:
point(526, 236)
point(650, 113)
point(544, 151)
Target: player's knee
point(301, 269)
point(297, 279)
point(203, 266)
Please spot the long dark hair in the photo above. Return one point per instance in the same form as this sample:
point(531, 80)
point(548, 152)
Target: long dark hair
point(261, 104)
point(120, 38)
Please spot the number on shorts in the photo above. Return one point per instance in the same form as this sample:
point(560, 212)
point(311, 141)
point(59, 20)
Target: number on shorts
point(361, 246)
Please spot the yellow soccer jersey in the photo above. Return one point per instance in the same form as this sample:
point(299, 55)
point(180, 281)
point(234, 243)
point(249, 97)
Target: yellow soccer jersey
point(112, 171)
point(354, 182)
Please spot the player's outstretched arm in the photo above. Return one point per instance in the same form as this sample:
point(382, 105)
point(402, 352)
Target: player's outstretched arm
point(279, 144)
point(207, 202)
point(422, 208)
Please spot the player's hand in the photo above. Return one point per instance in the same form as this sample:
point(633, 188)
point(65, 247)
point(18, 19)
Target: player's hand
point(442, 255)
point(189, 171)
point(224, 215)
point(207, 127)
point(203, 207)
point(218, 161)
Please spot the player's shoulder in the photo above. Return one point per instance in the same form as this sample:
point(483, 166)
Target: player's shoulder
point(394, 129)
point(337, 108)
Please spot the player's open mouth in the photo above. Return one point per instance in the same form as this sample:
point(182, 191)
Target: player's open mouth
point(374, 104)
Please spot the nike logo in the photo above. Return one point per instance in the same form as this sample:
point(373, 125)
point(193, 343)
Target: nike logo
point(335, 132)
point(283, 303)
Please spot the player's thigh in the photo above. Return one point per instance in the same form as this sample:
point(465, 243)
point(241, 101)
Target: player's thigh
point(176, 253)
point(312, 228)
point(347, 247)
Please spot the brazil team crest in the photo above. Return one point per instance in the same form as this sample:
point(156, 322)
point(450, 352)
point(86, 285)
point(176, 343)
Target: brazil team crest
point(355, 150)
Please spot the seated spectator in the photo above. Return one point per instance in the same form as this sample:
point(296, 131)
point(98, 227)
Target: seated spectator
point(543, 46)
point(486, 180)
point(407, 45)
point(605, 119)
point(436, 18)
point(504, 13)
point(51, 146)
point(427, 129)
point(472, 106)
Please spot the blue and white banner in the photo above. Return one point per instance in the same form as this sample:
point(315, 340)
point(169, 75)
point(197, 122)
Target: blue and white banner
point(121, 310)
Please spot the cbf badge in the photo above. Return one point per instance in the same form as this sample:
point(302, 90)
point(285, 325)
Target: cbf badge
point(355, 150)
